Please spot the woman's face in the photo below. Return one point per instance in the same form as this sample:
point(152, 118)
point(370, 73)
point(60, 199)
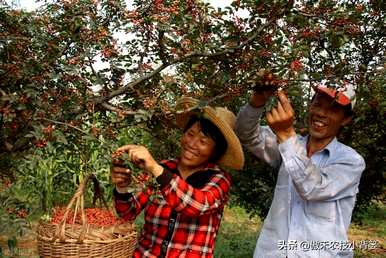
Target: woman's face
point(196, 147)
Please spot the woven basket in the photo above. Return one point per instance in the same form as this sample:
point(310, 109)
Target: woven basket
point(84, 240)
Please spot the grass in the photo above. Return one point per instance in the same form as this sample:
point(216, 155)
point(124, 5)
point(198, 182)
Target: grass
point(238, 234)
point(373, 228)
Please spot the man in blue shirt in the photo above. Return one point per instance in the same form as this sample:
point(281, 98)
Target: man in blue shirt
point(318, 176)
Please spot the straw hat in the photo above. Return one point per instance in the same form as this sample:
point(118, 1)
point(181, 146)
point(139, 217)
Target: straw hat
point(221, 117)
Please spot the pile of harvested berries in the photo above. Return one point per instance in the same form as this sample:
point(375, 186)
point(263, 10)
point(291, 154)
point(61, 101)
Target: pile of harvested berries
point(94, 216)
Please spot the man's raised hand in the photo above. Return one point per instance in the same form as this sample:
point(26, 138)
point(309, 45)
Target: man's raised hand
point(281, 118)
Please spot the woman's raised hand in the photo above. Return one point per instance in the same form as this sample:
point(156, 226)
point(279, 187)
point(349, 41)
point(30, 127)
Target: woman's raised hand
point(120, 176)
point(141, 157)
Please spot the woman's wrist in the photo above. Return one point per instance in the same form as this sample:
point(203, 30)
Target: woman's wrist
point(157, 170)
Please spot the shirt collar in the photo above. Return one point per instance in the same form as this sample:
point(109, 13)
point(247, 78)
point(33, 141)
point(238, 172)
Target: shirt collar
point(329, 149)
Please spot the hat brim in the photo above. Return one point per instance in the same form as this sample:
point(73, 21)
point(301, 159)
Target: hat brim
point(233, 156)
point(337, 95)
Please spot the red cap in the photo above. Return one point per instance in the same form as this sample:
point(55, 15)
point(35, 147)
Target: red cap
point(344, 95)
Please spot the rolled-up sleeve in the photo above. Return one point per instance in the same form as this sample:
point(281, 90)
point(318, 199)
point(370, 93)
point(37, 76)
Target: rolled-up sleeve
point(337, 180)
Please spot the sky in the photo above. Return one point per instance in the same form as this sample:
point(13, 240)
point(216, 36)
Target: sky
point(27, 4)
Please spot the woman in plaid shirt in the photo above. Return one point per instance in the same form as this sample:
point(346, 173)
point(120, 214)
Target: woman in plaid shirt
point(194, 189)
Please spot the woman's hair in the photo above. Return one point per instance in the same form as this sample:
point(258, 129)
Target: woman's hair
point(212, 131)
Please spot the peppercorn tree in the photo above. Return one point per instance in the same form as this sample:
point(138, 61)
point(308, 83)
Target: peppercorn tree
point(73, 74)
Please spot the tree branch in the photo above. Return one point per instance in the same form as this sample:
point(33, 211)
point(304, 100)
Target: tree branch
point(118, 110)
point(225, 51)
point(95, 72)
point(63, 123)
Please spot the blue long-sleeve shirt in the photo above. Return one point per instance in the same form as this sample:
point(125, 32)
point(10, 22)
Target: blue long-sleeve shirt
point(314, 196)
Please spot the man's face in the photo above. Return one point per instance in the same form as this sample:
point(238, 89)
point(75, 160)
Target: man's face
point(325, 118)
point(196, 147)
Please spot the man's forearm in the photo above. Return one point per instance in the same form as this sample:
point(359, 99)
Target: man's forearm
point(259, 140)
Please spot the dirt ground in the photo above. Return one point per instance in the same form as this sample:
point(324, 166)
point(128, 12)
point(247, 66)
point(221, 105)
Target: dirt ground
point(26, 247)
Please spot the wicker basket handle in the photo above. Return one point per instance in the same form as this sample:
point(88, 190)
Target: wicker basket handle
point(78, 200)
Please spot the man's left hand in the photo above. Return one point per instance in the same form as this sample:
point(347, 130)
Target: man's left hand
point(281, 118)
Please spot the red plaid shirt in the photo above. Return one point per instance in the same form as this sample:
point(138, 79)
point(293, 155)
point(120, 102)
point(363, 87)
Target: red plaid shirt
point(197, 204)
